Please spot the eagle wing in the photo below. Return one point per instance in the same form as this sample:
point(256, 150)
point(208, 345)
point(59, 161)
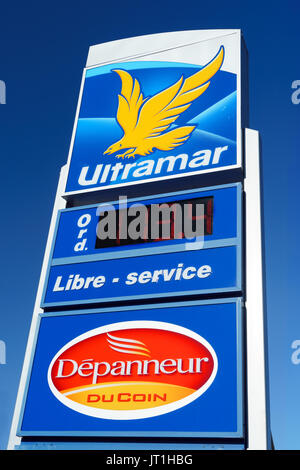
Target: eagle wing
point(162, 109)
point(130, 101)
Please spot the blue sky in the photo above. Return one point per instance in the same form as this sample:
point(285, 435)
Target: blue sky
point(44, 48)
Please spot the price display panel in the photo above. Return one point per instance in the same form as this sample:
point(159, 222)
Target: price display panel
point(173, 244)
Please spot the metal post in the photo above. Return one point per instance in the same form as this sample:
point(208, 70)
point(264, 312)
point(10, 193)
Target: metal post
point(59, 203)
point(258, 413)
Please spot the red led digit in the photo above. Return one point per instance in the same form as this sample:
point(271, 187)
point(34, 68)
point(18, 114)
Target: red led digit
point(208, 216)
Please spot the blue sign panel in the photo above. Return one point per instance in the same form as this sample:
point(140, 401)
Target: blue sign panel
point(171, 119)
point(206, 271)
point(86, 269)
point(169, 370)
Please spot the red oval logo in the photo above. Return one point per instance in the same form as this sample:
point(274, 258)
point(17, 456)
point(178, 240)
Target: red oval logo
point(132, 370)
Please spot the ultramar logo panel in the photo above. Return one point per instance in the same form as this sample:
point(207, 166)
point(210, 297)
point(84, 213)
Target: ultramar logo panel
point(154, 120)
point(132, 370)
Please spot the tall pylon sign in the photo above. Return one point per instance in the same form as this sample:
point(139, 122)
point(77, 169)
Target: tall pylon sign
point(148, 326)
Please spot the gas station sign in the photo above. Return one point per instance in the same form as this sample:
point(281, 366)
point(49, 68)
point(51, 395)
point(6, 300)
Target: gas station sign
point(155, 202)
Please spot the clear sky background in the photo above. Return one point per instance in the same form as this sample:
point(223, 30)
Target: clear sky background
point(43, 50)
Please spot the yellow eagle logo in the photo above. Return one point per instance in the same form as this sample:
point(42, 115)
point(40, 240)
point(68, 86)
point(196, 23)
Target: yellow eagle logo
point(145, 121)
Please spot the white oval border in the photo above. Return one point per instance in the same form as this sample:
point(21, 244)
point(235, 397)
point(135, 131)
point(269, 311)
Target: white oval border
point(133, 414)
